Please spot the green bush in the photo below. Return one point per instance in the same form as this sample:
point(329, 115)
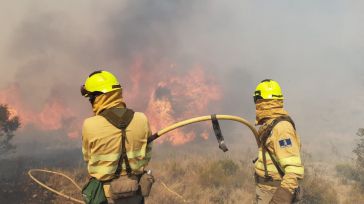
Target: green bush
point(8, 125)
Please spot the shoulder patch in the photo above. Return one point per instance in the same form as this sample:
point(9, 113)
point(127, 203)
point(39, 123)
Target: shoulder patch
point(285, 143)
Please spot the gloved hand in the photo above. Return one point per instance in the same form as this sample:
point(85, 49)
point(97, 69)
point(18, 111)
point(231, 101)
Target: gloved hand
point(281, 196)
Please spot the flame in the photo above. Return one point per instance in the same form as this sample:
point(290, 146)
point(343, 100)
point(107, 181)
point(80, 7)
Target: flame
point(179, 98)
point(164, 93)
point(53, 116)
point(12, 112)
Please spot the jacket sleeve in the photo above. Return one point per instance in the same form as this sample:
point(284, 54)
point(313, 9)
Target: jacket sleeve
point(85, 145)
point(286, 145)
point(148, 153)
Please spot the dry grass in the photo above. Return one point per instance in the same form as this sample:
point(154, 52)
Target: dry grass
point(63, 185)
point(319, 188)
point(352, 178)
point(221, 180)
point(203, 181)
point(196, 179)
point(213, 178)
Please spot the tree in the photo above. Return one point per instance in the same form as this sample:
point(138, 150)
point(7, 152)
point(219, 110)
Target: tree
point(8, 125)
point(357, 172)
point(359, 149)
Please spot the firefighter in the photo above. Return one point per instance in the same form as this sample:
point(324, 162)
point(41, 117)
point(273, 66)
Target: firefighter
point(116, 160)
point(278, 168)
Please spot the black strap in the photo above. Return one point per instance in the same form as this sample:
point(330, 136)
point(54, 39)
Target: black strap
point(123, 156)
point(120, 118)
point(152, 138)
point(264, 150)
point(276, 164)
point(264, 137)
point(218, 133)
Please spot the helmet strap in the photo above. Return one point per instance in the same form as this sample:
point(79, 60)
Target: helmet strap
point(92, 96)
point(92, 99)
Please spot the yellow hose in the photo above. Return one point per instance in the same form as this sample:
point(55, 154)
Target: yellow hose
point(53, 190)
point(157, 135)
point(206, 118)
point(174, 193)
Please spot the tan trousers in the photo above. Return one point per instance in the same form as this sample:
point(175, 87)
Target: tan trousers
point(264, 193)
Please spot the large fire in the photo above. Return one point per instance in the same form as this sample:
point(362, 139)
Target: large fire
point(53, 116)
point(167, 97)
point(179, 98)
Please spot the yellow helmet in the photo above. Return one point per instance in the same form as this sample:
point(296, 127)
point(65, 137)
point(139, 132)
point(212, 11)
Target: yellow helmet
point(268, 89)
point(99, 82)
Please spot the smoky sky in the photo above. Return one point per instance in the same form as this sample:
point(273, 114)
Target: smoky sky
point(313, 48)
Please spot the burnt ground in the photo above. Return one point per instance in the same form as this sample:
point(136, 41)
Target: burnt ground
point(16, 187)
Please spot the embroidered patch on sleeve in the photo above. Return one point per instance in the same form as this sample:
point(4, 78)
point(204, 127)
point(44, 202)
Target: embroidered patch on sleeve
point(285, 143)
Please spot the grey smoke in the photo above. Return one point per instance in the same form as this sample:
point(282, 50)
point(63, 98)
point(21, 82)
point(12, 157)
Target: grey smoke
point(314, 49)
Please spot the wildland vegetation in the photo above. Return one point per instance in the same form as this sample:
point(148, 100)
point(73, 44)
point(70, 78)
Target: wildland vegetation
point(195, 173)
point(197, 177)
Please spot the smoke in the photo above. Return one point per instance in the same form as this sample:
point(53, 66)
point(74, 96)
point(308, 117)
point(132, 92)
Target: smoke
point(314, 49)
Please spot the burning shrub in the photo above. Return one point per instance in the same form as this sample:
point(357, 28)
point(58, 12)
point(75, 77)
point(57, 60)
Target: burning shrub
point(8, 125)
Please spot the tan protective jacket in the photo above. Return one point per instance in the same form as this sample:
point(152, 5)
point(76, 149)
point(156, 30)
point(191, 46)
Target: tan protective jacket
point(101, 141)
point(283, 142)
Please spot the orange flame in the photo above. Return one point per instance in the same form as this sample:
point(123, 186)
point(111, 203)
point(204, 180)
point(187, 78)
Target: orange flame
point(174, 97)
point(179, 98)
point(52, 116)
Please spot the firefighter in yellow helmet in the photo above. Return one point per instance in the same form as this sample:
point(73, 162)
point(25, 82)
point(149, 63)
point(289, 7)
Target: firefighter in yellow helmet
point(278, 168)
point(114, 143)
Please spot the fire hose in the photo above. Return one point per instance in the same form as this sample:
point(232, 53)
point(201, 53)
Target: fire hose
point(217, 130)
point(213, 118)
